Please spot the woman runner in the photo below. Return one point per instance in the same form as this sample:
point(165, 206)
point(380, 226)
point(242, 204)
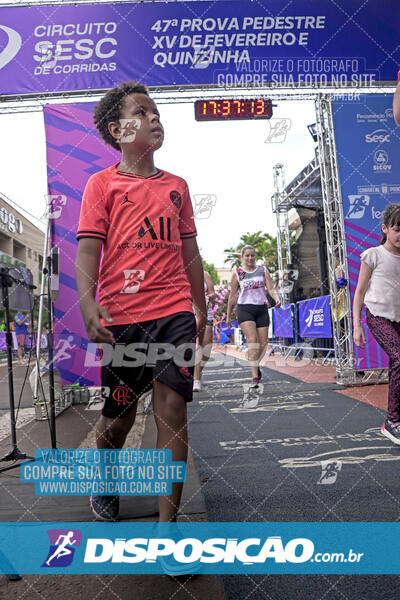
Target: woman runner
point(248, 289)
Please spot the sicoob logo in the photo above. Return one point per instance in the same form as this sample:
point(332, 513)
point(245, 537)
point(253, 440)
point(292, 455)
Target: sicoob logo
point(175, 199)
point(62, 547)
point(14, 43)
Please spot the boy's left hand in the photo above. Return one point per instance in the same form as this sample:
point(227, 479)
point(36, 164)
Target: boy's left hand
point(201, 322)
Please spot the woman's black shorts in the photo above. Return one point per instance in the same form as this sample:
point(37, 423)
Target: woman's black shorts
point(253, 312)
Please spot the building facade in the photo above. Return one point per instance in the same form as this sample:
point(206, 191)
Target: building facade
point(21, 242)
point(225, 275)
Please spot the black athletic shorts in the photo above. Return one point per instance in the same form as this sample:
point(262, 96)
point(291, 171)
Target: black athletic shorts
point(253, 312)
point(144, 345)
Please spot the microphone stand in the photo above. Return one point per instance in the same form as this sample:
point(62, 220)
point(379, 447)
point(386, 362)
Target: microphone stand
point(50, 349)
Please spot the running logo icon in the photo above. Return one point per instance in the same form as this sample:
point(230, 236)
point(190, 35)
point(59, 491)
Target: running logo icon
point(129, 129)
point(14, 43)
point(330, 471)
point(63, 543)
point(358, 204)
point(309, 319)
point(204, 203)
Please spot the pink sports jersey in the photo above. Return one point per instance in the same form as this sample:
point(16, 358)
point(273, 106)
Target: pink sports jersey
point(142, 221)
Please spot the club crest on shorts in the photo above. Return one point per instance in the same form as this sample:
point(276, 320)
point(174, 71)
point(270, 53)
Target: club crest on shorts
point(185, 371)
point(122, 395)
point(175, 198)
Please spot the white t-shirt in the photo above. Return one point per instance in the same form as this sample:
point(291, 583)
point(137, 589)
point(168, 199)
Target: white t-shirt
point(210, 314)
point(251, 286)
point(382, 297)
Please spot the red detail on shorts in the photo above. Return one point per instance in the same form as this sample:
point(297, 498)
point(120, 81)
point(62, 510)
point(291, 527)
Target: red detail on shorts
point(122, 395)
point(184, 371)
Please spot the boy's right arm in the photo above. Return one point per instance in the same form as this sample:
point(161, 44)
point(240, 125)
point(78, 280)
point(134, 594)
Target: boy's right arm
point(362, 286)
point(87, 275)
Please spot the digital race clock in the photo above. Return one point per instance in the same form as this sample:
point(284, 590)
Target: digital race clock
point(226, 110)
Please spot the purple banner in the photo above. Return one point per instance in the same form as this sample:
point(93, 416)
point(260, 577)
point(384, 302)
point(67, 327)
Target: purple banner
point(3, 345)
point(368, 147)
point(77, 47)
point(74, 152)
point(283, 321)
point(315, 318)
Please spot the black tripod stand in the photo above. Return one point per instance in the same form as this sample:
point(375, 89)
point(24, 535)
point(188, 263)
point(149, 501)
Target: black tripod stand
point(6, 281)
point(50, 348)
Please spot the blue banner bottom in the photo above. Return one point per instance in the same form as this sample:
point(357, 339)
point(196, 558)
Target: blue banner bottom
point(218, 548)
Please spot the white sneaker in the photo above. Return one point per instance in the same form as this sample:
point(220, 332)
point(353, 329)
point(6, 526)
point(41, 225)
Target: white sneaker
point(197, 385)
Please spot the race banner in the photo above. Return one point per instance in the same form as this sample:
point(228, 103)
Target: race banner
point(368, 151)
point(315, 317)
point(73, 47)
point(74, 152)
point(283, 321)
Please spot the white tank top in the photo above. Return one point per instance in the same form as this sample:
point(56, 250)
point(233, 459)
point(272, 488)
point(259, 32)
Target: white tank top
point(210, 314)
point(252, 286)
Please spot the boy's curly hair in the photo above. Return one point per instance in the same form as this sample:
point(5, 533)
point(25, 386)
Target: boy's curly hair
point(109, 108)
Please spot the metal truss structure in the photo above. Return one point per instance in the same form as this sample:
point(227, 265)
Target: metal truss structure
point(342, 325)
point(299, 192)
point(22, 103)
point(279, 203)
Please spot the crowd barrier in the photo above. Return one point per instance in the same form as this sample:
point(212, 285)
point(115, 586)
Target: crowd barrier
point(296, 328)
point(30, 341)
point(303, 326)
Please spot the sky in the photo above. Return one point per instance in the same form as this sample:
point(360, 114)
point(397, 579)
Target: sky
point(229, 162)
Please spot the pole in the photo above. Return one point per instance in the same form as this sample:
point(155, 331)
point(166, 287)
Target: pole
point(40, 317)
point(51, 354)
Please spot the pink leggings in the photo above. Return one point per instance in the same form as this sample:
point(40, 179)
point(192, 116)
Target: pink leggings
point(387, 334)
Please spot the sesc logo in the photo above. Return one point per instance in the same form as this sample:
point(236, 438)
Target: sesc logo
point(14, 43)
point(379, 136)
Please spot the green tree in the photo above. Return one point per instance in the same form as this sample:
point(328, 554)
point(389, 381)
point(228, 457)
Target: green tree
point(233, 258)
point(265, 246)
point(267, 251)
point(212, 270)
